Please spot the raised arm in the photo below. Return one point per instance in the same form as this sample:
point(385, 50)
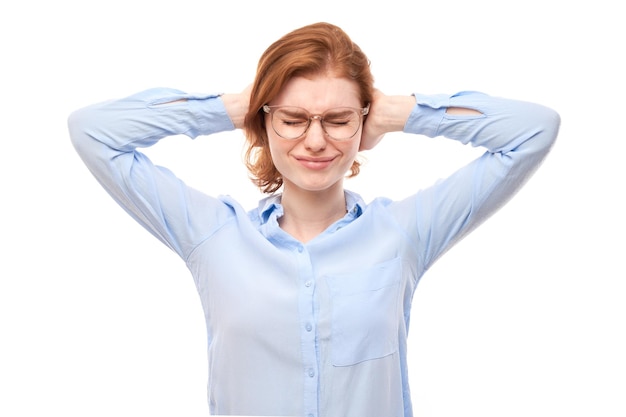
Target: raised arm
point(237, 106)
point(390, 114)
point(107, 137)
point(516, 136)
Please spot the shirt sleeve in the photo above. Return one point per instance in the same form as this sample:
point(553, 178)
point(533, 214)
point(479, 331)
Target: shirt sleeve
point(107, 137)
point(516, 136)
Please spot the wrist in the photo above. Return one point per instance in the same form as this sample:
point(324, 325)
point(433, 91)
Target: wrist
point(396, 112)
point(236, 106)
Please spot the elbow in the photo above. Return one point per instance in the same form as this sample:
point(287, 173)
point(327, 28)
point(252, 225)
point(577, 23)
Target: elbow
point(81, 132)
point(79, 126)
point(546, 122)
point(75, 125)
point(552, 122)
point(550, 125)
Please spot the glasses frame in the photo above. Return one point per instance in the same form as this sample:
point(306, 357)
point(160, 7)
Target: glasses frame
point(363, 111)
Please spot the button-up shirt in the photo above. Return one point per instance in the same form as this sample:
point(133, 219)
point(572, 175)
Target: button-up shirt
point(317, 328)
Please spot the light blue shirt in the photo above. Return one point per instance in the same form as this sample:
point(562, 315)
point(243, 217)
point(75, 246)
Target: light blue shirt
point(315, 329)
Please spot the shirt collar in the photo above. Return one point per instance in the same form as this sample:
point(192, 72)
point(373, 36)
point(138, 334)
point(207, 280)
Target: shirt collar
point(271, 206)
point(354, 204)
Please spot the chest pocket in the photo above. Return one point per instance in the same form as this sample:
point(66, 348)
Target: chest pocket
point(365, 315)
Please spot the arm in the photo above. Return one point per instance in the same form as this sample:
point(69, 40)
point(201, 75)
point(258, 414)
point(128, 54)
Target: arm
point(516, 136)
point(107, 136)
point(390, 114)
point(237, 106)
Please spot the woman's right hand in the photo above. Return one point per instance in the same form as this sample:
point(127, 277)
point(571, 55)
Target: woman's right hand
point(237, 106)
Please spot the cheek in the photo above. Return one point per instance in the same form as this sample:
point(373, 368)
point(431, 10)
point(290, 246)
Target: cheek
point(277, 151)
point(352, 149)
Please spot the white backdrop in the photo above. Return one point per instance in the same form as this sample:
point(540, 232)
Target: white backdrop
point(524, 317)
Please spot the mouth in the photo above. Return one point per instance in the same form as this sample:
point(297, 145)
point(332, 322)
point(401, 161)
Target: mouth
point(315, 163)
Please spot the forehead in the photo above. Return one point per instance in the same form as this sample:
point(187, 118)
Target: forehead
point(319, 93)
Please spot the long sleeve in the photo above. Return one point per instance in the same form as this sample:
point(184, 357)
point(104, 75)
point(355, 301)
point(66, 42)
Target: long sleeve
point(107, 135)
point(517, 136)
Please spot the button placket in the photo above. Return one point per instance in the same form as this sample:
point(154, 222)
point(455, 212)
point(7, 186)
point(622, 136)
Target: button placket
point(307, 320)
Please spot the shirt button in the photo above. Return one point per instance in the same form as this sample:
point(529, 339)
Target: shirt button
point(311, 372)
point(308, 284)
point(300, 248)
point(308, 327)
point(311, 415)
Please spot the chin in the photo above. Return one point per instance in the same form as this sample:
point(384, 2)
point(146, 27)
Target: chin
point(317, 186)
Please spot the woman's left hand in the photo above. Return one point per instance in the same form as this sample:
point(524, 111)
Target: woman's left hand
point(387, 114)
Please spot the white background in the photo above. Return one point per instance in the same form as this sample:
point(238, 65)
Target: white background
point(525, 317)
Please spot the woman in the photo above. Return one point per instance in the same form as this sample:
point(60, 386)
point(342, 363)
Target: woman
point(307, 297)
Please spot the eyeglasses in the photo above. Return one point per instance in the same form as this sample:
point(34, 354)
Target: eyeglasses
point(291, 122)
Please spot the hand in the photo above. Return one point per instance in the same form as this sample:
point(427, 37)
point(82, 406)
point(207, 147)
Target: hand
point(373, 128)
point(237, 106)
point(387, 114)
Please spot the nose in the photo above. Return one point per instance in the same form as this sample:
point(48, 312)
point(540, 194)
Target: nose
point(315, 137)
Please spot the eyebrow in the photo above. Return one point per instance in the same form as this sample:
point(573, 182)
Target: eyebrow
point(294, 110)
point(335, 111)
point(339, 111)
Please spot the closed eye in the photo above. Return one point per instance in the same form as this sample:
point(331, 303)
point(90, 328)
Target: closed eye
point(293, 122)
point(337, 122)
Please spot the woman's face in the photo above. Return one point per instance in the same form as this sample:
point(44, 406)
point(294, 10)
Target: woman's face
point(315, 162)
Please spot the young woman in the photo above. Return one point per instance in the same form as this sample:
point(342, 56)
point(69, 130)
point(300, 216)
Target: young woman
point(307, 297)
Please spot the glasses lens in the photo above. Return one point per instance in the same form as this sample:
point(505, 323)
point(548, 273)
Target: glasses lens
point(290, 122)
point(293, 122)
point(342, 123)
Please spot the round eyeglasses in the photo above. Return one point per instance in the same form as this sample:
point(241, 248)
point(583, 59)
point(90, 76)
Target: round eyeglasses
point(291, 122)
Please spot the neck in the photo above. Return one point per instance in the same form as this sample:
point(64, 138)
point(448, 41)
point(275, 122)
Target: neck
point(307, 214)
